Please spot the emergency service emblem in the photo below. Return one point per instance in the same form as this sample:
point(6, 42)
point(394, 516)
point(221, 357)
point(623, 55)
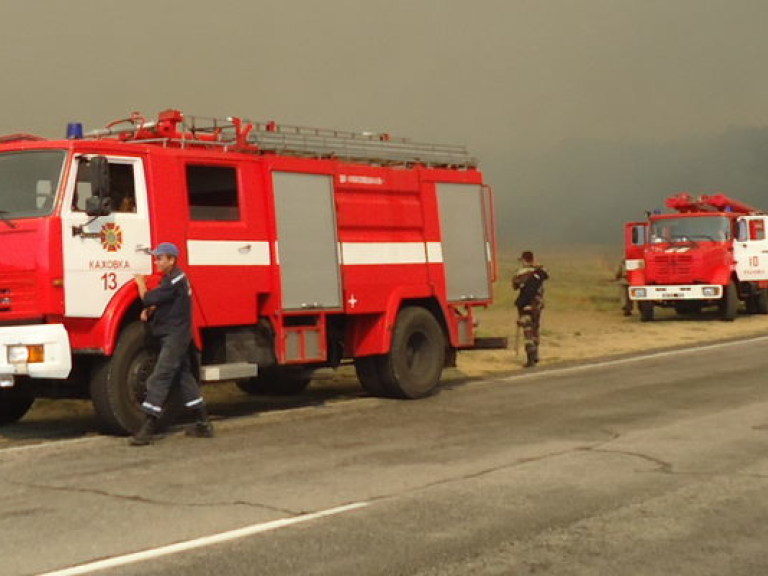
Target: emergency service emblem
point(111, 237)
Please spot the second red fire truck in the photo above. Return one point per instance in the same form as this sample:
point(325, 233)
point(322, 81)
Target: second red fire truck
point(305, 248)
point(711, 251)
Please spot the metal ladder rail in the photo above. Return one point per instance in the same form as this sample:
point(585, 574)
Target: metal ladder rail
point(326, 143)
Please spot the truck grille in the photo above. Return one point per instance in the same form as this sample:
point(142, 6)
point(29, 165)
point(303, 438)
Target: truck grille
point(19, 295)
point(672, 268)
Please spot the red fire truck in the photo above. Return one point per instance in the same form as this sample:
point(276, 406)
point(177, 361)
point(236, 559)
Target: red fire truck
point(711, 251)
point(305, 248)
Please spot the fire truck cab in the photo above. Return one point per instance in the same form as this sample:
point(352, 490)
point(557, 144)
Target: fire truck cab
point(712, 251)
point(305, 248)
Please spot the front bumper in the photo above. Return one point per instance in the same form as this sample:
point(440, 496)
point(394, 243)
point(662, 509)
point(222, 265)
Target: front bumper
point(676, 292)
point(57, 357)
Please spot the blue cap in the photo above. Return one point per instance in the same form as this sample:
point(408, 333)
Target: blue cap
point(167, 248)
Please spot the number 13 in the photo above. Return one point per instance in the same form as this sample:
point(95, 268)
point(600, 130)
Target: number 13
point(109, 280)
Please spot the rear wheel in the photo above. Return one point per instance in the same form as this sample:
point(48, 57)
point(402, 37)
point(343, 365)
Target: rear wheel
point(14, 405)
point(413, 366)
point(367, 369)
point(277, 381)
point(729, 305)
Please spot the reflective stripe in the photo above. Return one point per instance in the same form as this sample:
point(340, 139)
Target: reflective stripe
point(228, 253)
point(357, 253)
point(152, 407)
point(179, 277)
point(193, 403)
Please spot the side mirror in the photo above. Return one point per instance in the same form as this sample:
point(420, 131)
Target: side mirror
point(98, 206)
point(99, 203)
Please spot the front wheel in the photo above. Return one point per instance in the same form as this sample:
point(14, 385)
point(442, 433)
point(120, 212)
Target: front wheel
point(415, 362)
point(13, 406)
point(646, 310)
point(729, 305)
point(119, 383)
point(761, 301)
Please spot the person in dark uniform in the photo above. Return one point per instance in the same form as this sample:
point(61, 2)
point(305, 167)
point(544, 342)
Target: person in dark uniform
point(529, 280)
point(623, 282)
point(169, 306)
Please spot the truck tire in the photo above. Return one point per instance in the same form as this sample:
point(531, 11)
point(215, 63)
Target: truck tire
point(13, 406)
point(751, 303)
point(646, 310)
point(118, 383)
point(367, 370)
point(413, 366)
point(762, 301)
point(277, 381)
point(729, 305)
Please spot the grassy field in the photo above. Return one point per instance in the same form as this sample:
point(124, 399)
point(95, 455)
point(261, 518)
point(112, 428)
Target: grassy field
point(582, 317)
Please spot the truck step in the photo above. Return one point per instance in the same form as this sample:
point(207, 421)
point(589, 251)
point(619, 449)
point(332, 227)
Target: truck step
point(224, 372)
point(491, 343)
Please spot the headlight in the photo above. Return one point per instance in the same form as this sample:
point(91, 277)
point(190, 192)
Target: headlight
point(32, 354)
point(638, 292)
point(709, 291)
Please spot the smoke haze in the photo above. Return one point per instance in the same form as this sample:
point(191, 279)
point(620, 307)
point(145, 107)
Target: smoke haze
point(583, 113)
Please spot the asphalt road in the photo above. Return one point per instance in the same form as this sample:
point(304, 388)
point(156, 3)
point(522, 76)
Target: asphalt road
point(646, 465)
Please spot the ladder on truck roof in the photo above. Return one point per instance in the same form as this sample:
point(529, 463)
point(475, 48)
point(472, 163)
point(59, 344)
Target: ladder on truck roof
point(242, 135)
point(685, 202)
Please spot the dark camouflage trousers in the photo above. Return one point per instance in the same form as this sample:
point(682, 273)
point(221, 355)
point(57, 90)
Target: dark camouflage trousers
point(529, 320)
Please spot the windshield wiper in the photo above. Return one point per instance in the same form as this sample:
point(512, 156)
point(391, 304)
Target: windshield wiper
point(4, 218)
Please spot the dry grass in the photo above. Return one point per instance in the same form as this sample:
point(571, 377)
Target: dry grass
point(582, 317)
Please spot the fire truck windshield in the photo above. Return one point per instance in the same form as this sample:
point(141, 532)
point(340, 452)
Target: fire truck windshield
point(29, 182)
point(690, 229)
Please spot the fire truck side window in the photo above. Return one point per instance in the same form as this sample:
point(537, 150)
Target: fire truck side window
point(122, 190)
point(212, 193)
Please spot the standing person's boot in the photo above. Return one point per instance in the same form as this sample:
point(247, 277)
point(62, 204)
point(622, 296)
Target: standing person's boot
point(146, 433)
point(202, 428)
point(531, 358)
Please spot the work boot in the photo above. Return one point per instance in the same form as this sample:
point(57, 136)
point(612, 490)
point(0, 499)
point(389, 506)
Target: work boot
point(531, 357)
point(203, 427)
point(200, 430)
point(146, 433)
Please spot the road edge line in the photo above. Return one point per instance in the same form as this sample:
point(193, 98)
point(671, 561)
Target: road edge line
point(201, 542)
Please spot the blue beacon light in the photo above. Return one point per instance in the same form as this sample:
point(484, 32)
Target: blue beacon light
point(74, 131)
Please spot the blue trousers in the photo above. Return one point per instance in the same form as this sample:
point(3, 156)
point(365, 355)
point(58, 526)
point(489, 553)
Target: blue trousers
point(173, 365)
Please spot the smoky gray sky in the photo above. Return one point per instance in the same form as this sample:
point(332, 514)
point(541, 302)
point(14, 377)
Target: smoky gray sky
point(512, 79)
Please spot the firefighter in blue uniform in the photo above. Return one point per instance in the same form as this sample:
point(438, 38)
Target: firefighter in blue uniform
point(529, 280)
point(169, 307)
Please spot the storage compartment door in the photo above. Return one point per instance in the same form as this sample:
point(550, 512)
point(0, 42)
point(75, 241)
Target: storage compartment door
point(466, 250)
point(306, 241)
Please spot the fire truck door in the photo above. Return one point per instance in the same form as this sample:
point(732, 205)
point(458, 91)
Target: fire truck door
point(307, 244)
point(750, 248)
point(466, 252)
point(635, 239)
point(102, 254)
